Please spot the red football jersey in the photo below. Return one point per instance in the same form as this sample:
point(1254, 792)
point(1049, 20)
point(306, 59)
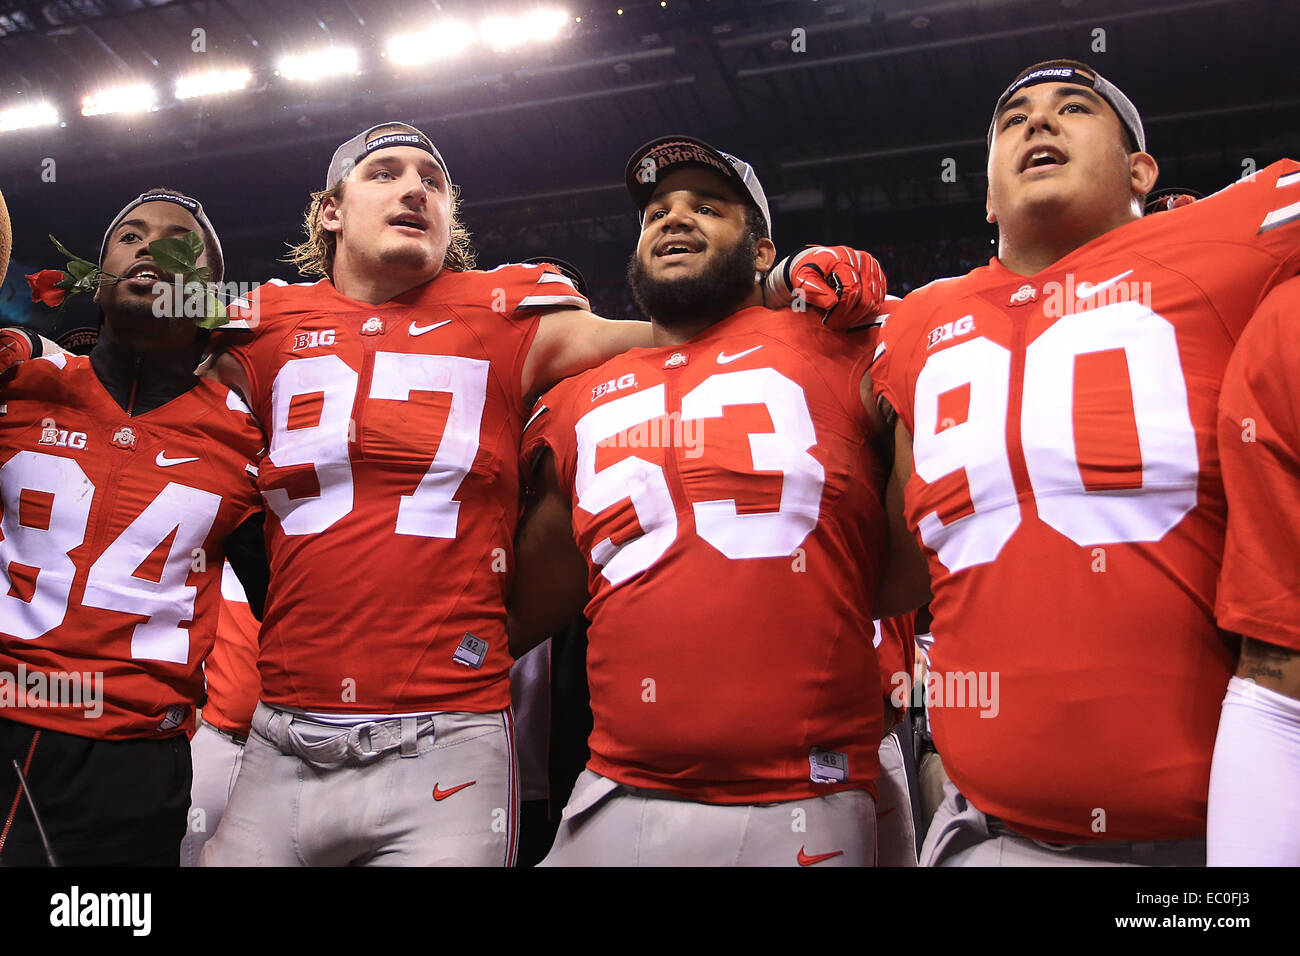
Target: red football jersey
point(392, 487)
point(896, 652)
point(1067, 493)
point(231, 668)
point(111, 548)
point(725, 495)
point(1259, 441)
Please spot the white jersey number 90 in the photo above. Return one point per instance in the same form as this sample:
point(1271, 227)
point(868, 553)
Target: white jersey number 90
point(1169, 460)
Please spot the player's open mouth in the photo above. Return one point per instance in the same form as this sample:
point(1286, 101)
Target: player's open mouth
point(674, 248)
point(142, 276)
point(1042, 156)
point(410, 222)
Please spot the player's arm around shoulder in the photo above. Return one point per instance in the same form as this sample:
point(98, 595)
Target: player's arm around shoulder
point(225, 368)
point(550, 583)
point(570, 341)
point(904, 583)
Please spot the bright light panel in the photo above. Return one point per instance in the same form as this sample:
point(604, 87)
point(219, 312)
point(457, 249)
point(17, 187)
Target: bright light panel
point(137, 98)
point(443, 40)
point(217, 81)
point(319, 64)
point(502, 33)
point(21, 117)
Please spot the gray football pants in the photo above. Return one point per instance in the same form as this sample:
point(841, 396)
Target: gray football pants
point(607, 824)
point(432, 791)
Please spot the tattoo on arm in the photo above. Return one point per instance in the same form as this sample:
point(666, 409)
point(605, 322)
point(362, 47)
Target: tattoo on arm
point(1270, 665)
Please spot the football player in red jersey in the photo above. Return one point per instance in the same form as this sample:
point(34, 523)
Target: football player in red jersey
point(1255, 784)
point(1056, 429)
point(124, 480)
point(394, 391)
point(229, 699)
point(716, 503)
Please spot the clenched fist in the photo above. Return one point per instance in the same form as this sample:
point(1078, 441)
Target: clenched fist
point(846, 285)
point(15, 348)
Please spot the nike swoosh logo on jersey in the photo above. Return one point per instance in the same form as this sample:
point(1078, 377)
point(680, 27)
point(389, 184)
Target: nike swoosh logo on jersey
point(725, 359)
point(1086, 290)
point(162, 461)
point(421, 329)
point(444, 794)
point(806, 860)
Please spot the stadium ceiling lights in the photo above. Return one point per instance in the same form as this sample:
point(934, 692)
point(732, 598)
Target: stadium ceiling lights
point(439, 41)
point(136, 98)
point(216, 81)
point(502, 33)
point(22, 117)
point(319, 64)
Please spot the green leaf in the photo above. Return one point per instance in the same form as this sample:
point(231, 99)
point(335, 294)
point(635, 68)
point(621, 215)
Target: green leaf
point(79, 270)
point(67, 282)
point(215, 314)
point(172, 255)
point(201, 274)
point(194, 244)
point(71, 255)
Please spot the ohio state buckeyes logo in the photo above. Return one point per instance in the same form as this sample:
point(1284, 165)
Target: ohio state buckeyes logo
point(676, 359)
point(373, 326)
point(1025, 294)
point(124, 437)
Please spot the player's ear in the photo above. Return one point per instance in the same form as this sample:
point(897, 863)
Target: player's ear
point(988, 205)
point(1143, 172)
point(764, 255)
point(330, 219)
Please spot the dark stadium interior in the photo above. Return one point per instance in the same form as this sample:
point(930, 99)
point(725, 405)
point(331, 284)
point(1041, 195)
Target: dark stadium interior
point(850, 136)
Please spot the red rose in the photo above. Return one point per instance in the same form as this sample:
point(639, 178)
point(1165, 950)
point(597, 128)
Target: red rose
point(43, 287)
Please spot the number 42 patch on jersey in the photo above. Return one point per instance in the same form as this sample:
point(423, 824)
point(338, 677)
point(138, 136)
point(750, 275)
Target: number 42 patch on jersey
point(471, 652)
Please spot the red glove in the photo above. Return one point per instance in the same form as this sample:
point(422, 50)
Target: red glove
point(846, 285)
point(15, 348)
point(1170, 200)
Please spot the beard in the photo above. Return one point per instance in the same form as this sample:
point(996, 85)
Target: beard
point(143, 315)
point(135, 321)
point(718, 290)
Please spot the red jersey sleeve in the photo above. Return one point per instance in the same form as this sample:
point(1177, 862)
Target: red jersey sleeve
point(896, 655)
point(530, 287)
point(1259, 443)
point(1247, 236)
point(231, 668)
point(250, 341)
point(548, 430)
point(521, 294)
point(890, 358)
